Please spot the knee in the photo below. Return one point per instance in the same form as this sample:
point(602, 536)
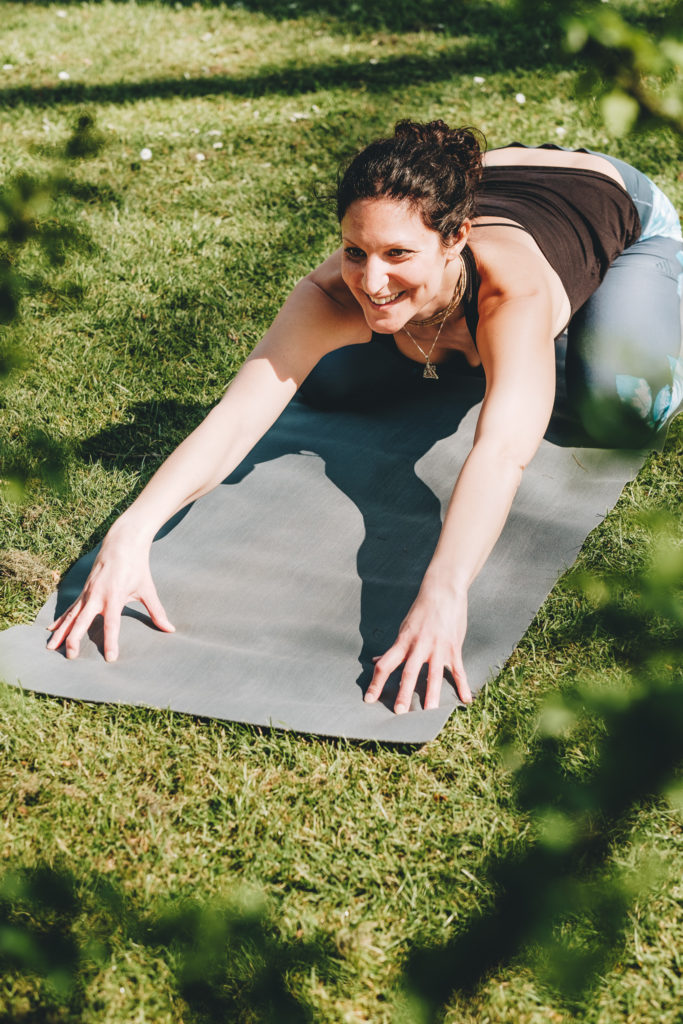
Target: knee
point(631, 413)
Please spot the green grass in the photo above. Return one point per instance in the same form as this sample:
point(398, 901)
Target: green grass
point(369, 848)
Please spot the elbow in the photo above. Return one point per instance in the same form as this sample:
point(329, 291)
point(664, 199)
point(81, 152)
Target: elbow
point(509, 460)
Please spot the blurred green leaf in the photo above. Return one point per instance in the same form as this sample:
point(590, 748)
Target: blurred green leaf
point(619, 111)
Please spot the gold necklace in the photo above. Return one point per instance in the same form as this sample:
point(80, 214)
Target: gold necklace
point(452, 305)
point(429, 372)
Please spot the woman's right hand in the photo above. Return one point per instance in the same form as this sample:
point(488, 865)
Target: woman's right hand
point(120, 574)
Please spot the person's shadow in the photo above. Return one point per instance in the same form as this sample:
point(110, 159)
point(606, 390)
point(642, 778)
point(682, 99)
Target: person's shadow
point(371, 457)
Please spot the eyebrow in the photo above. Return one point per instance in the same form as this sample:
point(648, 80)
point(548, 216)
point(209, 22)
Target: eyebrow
point(390, 245)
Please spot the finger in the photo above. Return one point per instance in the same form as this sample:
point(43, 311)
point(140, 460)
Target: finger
point(58, 621)
point(112, 626)
point(434, 681)
point(78, 630)
point(156, 610)
point(61, 626)
point(384, 666)
point(408, 682)
point(460, 679)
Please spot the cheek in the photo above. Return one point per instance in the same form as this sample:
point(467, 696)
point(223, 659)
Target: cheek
point(350, 273)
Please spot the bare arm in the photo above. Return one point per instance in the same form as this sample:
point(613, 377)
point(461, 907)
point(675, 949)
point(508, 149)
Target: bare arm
point(312, 322)
point(515, 340)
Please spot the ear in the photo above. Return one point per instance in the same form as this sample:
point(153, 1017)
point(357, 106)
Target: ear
point(458, 241)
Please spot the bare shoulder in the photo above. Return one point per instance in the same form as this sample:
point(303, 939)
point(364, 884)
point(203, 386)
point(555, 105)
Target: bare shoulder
point(508, 261)
point(511, 269)
point(515, 156)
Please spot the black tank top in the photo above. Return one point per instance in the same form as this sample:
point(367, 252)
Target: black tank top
point(581, 220)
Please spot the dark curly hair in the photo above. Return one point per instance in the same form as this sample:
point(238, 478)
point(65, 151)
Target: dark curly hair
point(434, 167)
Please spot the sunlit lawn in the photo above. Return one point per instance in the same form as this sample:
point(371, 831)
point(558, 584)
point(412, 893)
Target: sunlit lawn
point(223, 128)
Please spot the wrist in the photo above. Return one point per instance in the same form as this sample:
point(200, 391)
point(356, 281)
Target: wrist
point(445, 578)
point(131, 529)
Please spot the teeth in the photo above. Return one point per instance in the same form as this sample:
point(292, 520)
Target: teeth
point(383, 301)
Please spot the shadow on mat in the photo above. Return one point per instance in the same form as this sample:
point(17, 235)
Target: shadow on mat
point(401, 514)
point(371, 457)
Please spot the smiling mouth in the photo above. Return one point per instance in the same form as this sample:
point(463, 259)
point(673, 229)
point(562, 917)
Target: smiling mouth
point(385, 300)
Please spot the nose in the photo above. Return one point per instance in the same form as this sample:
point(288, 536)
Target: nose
point(375, 276)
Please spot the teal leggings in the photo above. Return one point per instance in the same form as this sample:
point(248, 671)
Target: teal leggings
point(624, 373)
point(619, 362)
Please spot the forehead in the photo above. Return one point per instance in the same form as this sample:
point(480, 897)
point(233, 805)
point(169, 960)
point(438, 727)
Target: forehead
point(386, 221)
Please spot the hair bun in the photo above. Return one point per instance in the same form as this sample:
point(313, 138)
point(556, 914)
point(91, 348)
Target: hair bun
point(465, 145)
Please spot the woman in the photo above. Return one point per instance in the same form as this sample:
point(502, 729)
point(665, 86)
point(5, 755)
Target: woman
point(448, 260)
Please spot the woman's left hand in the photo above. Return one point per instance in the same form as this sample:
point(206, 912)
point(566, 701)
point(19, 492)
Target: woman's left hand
point(432, 632)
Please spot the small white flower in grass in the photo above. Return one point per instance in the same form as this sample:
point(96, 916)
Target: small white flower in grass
point(63, 76)
point(122, 991)
point(478, 80)
point(214, 131)
point(7, 67)
point(560, 131)
point(207, 36)
point(146, 153)
point(299, 117)
point(373, 60)
point(218, 145)
point(61, 14)
point(315, 108)
point(520, 98)
point(199, 157)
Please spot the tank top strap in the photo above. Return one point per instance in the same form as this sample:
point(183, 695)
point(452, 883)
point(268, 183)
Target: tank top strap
point(471, 297)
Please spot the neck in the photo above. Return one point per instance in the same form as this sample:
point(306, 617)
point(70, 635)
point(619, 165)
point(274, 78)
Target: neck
point(443, 311)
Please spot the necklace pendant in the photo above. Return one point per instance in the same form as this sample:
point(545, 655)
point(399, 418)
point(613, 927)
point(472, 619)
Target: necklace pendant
point(429, 372)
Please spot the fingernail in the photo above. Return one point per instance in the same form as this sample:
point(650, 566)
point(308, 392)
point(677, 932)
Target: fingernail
point(400, 709)
point(369, 698)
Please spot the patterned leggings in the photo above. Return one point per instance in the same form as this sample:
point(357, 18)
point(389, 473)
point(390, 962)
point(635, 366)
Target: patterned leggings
point(623, 369)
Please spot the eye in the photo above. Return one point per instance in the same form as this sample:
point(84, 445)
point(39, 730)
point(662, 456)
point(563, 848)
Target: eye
point(353, 254)
point(398, 254)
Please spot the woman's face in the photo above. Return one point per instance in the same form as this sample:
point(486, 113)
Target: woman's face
point(394, 265)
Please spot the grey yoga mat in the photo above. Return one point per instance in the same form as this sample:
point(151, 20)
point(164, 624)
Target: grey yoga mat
point(287, 578)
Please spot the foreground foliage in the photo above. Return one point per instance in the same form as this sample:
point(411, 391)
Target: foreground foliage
point(146, 843)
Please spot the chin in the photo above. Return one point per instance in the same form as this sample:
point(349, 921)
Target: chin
point(384, 323)
point(383, 330)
